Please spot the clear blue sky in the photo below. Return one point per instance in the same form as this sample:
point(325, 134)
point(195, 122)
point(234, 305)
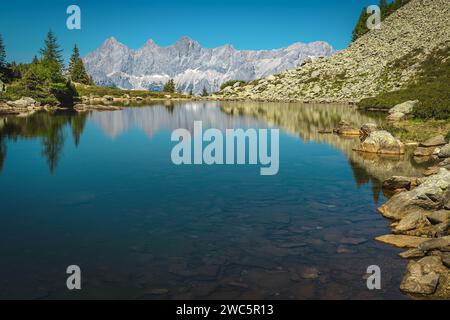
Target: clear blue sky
point(245, 24)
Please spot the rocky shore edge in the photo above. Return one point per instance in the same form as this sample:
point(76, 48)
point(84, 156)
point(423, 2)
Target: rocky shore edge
point(419, 208)
point(27, 106)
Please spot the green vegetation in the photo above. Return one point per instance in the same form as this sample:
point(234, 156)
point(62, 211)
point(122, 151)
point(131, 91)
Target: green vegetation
point(88, 90)
point(231, 83)
point(77, 72)
point(418, 129)
point(42, 79)
point(386, 10)
point(47, 81)
point(169, 87)
point(431, 87)
point(205, 92)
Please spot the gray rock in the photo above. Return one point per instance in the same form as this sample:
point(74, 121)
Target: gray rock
point(445, 151)
point(446, 259)
point(424, 152)
point(433, 244)
point(440, 216)
point(432, 194)
point(405, 107)
point(434, 142)
point(396, 116)
point(381, 142)
point(414, 220)
point(412, 253)
point(23, 103)
point(401, 241)
point(368, 128)
point(399, 182)
point(422, 276)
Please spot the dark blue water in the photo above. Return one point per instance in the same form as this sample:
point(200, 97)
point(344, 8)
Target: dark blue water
point(99, 190)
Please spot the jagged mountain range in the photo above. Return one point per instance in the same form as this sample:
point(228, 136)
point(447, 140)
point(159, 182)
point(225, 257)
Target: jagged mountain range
point(190, 65)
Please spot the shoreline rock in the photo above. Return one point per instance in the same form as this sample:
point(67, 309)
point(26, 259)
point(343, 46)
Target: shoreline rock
point(381, 142)
point(422, 217)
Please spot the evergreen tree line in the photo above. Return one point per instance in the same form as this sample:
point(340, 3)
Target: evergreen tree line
point(45, 78)
point(386, 9)
point(170, 87)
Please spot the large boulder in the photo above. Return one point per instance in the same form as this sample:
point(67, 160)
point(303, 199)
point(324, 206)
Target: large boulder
point(445, 151)
point(22, 103)
point(381, 142)
point(414, 220)
point(406, 107)
point(422, 277)
point(432, 194)
point(434, 142)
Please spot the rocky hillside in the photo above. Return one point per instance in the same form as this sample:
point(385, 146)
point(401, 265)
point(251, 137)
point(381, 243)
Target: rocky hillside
point(380, 61)
point(190, 65)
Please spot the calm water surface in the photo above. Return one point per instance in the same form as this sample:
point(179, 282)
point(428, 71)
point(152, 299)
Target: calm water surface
point(99, 190)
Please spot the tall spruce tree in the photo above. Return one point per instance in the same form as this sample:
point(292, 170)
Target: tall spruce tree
point(169, 87)
point(74, 58)
point(52, 58)
point(361, 26)
point(2, 53)
point(77, 71)
point(205, 92)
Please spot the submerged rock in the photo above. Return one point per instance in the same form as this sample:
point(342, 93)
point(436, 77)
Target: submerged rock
point(381, 142)
point(310, 273)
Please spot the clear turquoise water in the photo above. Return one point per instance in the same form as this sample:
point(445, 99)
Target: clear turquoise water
point(99, 190)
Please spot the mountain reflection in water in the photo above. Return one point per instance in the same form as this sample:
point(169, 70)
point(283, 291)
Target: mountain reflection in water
point(99, 190)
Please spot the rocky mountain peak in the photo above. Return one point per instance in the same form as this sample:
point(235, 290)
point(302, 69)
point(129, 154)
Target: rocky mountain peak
point(190, 65)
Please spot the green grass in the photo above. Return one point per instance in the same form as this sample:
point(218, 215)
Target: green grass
point(231, 83)
point(431, 87)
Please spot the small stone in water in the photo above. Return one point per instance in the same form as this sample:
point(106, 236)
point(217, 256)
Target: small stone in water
point(157, 292)
point(353, 241)
point(310, 273)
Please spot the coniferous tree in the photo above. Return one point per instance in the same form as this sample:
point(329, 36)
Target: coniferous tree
point(2, 53)
point(77, 71)
point(205, 92)
point(361, 25)
point(52, 59)
point(384, 8)
point(169, 87)
point(74, 58)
